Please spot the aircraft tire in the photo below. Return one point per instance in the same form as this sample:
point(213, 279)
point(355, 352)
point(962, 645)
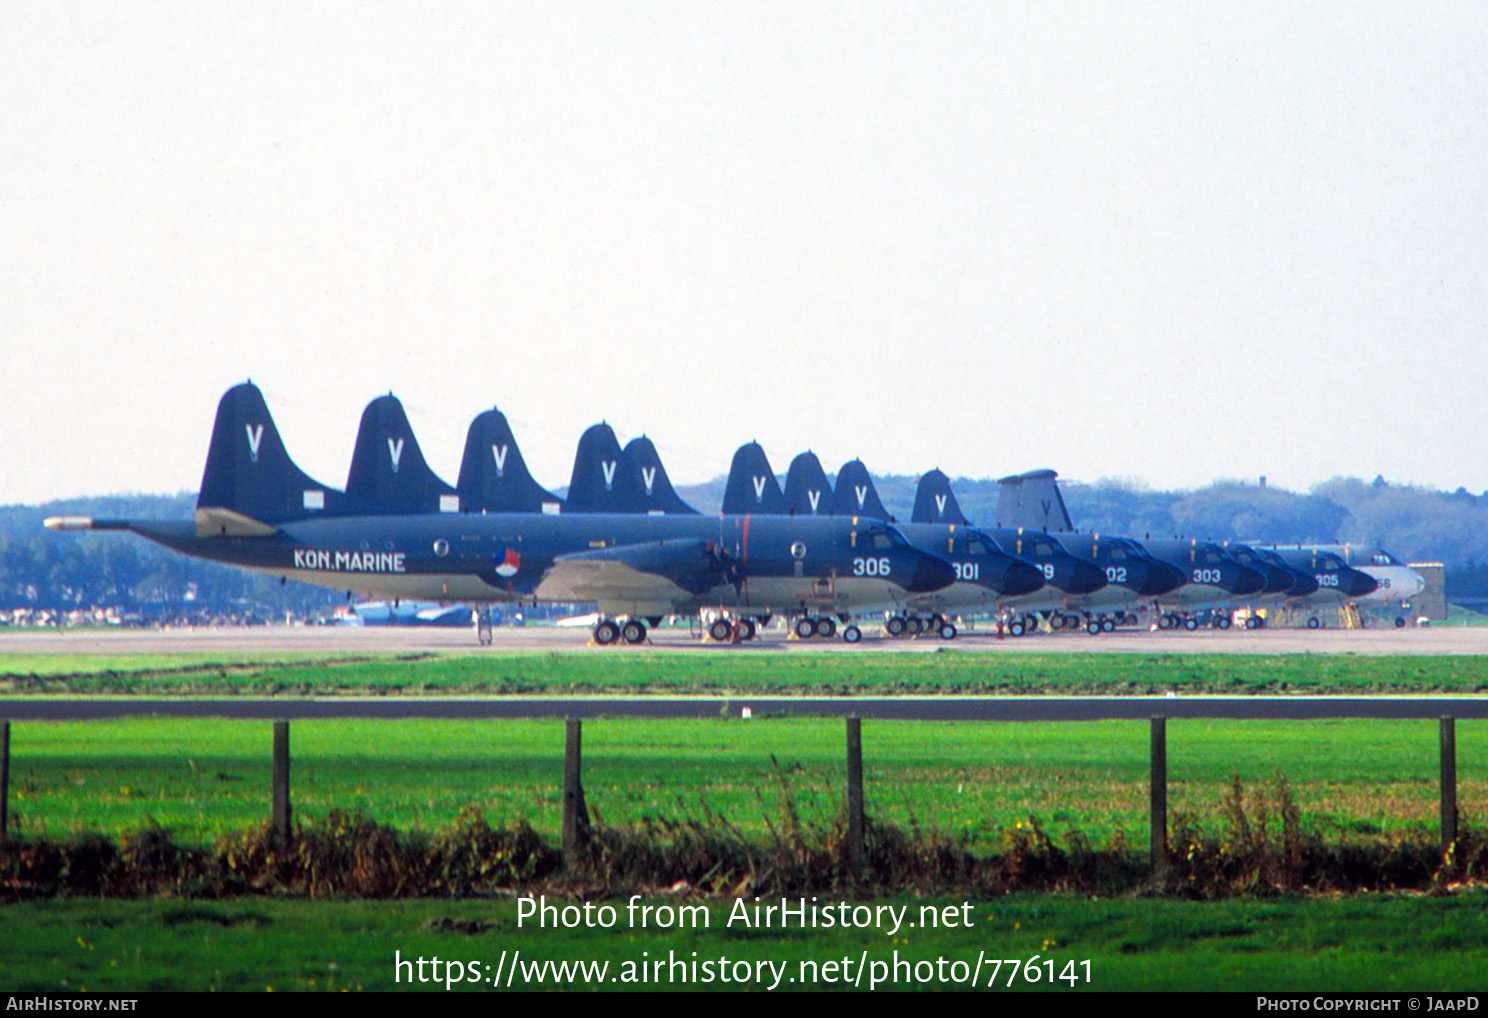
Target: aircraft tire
point(826, 628)
point(851, 633)
point(633, 631)
point(1056, 622)
point(606, 633)
point(805, 627)
point(721, 630)
point(896, 626)
point(1190, 623)
point(947, 631)
point(1224, 622)
point(747, 629)
point(1016, 627)
point(1314, 622)
point(916, 625)
point(1250, 622)
point(1400, 622)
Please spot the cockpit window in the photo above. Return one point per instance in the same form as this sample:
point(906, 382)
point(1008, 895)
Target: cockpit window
point(881, 540)
point(1117, 555)
point(1211, 557)
point(1043, 549)
point(976, 547)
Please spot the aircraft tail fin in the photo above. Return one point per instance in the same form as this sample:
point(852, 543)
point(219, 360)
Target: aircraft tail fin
point(856, 494)
point(1033, 501)
point(641, 460)
point(752, 488)
point(388, 470)
point(493, 474)
point(935, 502)
point(600, 482)
point(250, 481)
point(807, 490)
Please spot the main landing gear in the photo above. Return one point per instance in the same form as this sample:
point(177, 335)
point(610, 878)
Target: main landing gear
point(913, 625)
point(808, 626)
point(482, 619)
point(608, 632)
point(724, 630)
point(1209, 619)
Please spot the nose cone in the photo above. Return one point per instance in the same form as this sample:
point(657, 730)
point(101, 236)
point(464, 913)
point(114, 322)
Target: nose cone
point(930, 574)
point(1355, 583)
point(1021, 578)
point(1162, 578)
point(1084, 578)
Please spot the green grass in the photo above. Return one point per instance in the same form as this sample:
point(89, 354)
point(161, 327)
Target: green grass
point(1365, 943)
point(202, 778)
point(15, 663)
point(1353, 779)
point(751, 671)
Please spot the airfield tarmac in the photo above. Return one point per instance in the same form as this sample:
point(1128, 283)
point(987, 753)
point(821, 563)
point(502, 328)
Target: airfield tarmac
point(415, 640)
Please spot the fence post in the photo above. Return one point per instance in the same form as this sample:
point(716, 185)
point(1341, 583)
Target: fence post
point(1159, 794)
point(575, 810)
point(279, 822)
point(4, 782)
point(1448, 784)
point(855, 819)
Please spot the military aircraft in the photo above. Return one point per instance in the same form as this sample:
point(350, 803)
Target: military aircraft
point(1397, 582)
point(1333, 582)
point(1072, 583)
point(1220, 577)
point(986, 576)
point(258, 510)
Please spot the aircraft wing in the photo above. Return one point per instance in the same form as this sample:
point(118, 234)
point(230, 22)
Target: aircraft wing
point(650, 578)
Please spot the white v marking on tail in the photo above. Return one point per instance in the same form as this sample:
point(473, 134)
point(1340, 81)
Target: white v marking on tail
point(255, 436)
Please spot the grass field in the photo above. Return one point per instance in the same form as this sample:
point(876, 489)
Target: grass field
point(1369, 943)
point(958, 672)
point(200, 778)
point(1353, 780)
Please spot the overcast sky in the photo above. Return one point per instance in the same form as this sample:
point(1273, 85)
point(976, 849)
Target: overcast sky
point(1172, 242)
